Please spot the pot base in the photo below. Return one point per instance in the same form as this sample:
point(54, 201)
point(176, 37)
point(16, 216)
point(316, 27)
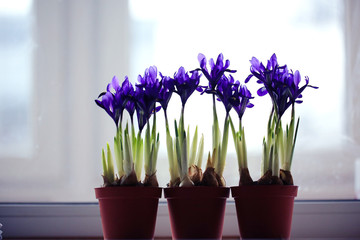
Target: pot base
point(196, 212)
point(264, 211)
point(128, 212)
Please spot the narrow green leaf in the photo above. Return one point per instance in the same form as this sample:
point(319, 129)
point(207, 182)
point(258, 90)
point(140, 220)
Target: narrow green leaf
point(128, 161)
point(178, 155)
point(281, 143)
point(184, 160)
point(265, 159)
point(157, 144)
point(217, 157)
point(271, 157)
point(187, 136)
point(176, 160)
point(239, 154)
point(200, 154)
point(133, 141)
point(170, 153)
point(221, 163)
point(148, 166)
point(232, 129)
point(193, 147)
point(293, 145)
point(110, 165)
point(244, 149)
point(118, 157)
point(147, 142)
point(105, 171)
point(216, 128)
point(138, 157)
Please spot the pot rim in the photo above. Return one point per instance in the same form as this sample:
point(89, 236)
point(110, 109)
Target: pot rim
point(264, 191)
point(196, 192)
point(128, 192)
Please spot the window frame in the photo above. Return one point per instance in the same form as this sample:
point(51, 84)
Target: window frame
point(311, 219)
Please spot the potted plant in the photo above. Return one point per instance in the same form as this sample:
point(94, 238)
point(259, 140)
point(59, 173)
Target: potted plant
point(196, 199)
point(264, 207)
point(128, 206)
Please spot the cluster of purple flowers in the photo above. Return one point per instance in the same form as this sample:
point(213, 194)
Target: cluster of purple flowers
point(279, 82)
point(231, 93)
point(143, 98)
point(148, 91)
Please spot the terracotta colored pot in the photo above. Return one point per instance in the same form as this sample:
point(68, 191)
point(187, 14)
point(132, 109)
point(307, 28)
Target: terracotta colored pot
point(196, 212)
point(128, 212)
point(264, 211)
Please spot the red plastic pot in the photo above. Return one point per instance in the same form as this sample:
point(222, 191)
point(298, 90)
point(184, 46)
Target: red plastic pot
point(264, 211)
point(196, 212)
point(128, 212)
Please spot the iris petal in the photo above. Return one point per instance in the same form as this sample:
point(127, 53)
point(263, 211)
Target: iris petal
point(255, 64)
point(297, 77)
point(262, 91)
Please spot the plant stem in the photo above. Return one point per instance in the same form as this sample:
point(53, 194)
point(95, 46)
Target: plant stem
point(221, 161)
point(216, 134)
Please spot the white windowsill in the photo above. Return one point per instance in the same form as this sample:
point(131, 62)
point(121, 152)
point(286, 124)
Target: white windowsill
point(311, 219)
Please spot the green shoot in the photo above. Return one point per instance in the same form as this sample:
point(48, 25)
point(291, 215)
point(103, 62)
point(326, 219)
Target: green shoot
point(193, 148)
point(110, 165)
point(103, 157)
point(128, 160)
point(200, 153)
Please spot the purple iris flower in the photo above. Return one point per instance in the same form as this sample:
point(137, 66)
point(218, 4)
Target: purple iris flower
point(107, 103)
point(184, 84)
point(233, 95)
point(280, 83)
point(113, 101)
point(167, 88)
point(226, 92)
point(243, 96)
point(128, 92)
point(217, 71)
point(146, 95)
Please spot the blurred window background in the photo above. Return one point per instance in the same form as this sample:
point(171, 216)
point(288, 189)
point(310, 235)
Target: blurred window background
point(57, 56)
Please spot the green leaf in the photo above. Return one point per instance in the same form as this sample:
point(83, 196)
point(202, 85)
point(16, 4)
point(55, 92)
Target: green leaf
point(139, 156)
point(176, 160)
point(293, 145)
point(178, 155)
point(193, 147)
point(232, 130)
point(237, 143)
point(265, 159)
point(148, 166)
point(222, 159)
point(187, 136)
point(184, 160)
point(110, 165)
point(147, 146)
point(215, 128)
point(244, 149)
point(128, 161)
point(281, 143)
point(105, 171)
point(157, 144)
point(170, 154)
point(239, 154)
point(200, 154)
point(118, 156)
point(133, 142)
